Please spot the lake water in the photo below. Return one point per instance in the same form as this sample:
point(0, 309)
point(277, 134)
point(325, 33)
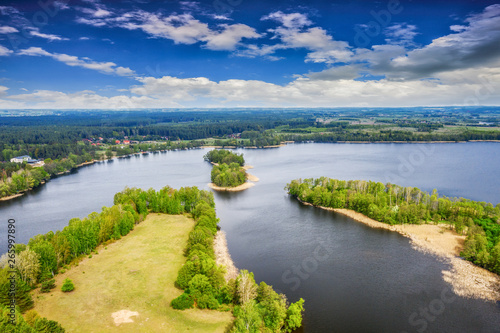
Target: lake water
point(353, 278)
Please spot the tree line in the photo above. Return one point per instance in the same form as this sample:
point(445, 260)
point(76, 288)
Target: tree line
point(258, 308)
point(395, 204)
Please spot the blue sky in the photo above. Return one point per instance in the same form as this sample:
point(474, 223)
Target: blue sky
point(93, 54)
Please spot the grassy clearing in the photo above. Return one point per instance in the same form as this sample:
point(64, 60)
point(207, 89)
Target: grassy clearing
point(136, 273)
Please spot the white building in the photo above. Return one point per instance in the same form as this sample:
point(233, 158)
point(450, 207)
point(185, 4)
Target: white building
point(27, 159)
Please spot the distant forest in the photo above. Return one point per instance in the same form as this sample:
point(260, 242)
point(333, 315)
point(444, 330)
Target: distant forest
point(65, 139)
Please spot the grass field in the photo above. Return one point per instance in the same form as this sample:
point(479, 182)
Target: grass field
point(136, 273)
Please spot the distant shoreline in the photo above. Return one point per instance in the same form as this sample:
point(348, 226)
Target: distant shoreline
point(466, 279)
point(265, 147)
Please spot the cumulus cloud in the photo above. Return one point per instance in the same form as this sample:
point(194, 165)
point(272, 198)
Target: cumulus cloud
point(294, 33)
point(476, 44)
point(43, 99)
point(291, 21)
point(74, 61)
point(229, 37)
point(181, 29)
point(8, 30)
point(5, 51)
point(3, 90)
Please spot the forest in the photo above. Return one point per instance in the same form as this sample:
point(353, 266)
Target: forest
point(66, 139)
point(393, 204)
point(255, 307)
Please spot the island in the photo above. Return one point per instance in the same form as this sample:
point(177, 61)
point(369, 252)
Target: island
point(228, 172)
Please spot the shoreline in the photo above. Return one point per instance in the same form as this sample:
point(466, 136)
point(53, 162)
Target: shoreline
point(223, 257)
point(238, 188)
point(12, 196)
point(467, 280)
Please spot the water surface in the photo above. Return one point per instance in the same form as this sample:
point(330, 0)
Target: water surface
point(353, 278)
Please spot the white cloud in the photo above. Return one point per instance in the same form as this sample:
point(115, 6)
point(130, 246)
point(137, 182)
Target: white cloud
point(4, 51)
point(401, 34)
point(185, 29)
point(92, 22)
point(293, 34)
point(332, 88)
point(3, 90)
point(230, 37)
point(8, 30)
point(291, 21)
point(74, 61)
point(46, 36)
point(34, 51)
point(182, 29)
point(43, 99)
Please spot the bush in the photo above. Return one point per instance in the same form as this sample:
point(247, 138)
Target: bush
point(207, 302)
point(184, 301)
point(48, 285)
point(47, 326)
point(67, 286)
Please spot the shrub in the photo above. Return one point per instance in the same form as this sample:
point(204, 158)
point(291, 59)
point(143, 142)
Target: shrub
point(207, 302)
point(67, 286)
point(48, 285)
point(184, 301)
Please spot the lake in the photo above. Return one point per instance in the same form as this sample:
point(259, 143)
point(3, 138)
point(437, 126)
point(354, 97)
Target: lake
point(353, 278)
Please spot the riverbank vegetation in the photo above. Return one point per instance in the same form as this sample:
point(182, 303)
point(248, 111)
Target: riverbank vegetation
point(203, 282)
point(395, 204)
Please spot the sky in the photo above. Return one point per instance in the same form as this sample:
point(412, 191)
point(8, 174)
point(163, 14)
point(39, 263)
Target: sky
point(97, 54)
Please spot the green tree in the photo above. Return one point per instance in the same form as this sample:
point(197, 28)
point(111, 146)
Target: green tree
point(294, 315)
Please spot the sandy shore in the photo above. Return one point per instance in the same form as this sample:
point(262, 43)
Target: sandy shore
point(11, 197)
point(222, 256)
point(252, 178)
point(238, 188)
point(84, 163)
point(241, 187)
point(466, 279)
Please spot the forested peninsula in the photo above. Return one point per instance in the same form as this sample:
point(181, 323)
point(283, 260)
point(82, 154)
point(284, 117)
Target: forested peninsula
point(257, 308)
point(393, 204)
point(446, 227)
